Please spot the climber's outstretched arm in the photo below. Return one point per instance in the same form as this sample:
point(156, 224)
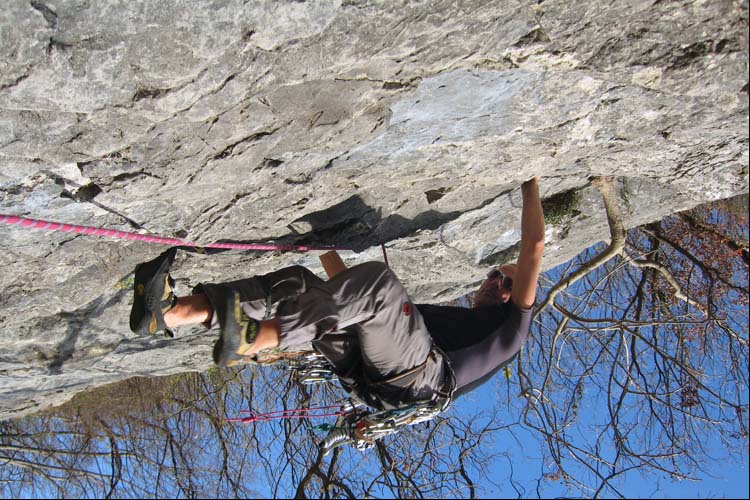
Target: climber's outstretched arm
point(523, 293)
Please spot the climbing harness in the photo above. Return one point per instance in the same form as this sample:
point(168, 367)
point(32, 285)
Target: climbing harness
point(124, 235)
point(355, 425)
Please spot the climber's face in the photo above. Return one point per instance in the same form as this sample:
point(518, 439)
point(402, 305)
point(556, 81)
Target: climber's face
point(494, 290)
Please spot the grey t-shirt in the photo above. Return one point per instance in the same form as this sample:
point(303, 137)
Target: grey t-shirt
point(477, 341)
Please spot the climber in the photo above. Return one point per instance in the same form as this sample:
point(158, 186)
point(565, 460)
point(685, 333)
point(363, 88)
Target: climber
point(386, 351)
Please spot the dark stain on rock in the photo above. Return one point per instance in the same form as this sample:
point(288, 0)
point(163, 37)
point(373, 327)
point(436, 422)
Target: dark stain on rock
point(148, 93)
point(49, 15)
point(87, 192)
point(434, 195)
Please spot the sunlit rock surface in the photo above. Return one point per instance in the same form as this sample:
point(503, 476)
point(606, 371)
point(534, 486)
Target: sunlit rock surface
point(409, 124)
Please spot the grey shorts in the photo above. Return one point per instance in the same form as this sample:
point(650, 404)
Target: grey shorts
point(389, 342)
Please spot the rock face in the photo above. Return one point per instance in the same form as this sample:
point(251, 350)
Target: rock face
point(409, 124)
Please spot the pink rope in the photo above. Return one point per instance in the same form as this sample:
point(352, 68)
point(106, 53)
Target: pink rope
point(299, 413)
point(124, 235)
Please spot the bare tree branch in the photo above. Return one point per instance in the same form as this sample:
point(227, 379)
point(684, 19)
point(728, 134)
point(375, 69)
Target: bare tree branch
point(608, 190)
point(670, 279)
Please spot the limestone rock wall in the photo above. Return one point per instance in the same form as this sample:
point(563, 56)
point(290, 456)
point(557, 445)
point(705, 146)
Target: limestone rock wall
point(409, 124)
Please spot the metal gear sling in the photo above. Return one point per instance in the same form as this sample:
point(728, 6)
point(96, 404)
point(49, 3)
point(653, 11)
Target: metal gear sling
point(356, 425)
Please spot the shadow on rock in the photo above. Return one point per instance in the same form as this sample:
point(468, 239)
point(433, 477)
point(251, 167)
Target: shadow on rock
point(354, 224)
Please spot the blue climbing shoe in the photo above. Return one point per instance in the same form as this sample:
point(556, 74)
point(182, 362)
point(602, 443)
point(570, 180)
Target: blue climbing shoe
point(237, 334)
point(153, 295)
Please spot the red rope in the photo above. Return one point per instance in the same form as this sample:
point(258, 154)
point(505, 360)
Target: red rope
point(287, 414)
point(124, 235)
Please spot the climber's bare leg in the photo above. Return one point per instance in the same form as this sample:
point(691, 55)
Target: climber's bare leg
point(196, 309)
point(268, 336)
point(190, 310)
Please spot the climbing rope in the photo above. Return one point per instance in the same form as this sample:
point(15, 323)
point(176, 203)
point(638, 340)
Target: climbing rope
point(14, 220)
point(124, 235)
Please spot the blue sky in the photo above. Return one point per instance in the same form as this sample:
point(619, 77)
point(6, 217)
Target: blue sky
point(726, 477)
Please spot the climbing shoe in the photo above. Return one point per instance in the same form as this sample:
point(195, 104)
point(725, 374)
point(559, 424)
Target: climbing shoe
point(153, 295)
point(237, 334)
